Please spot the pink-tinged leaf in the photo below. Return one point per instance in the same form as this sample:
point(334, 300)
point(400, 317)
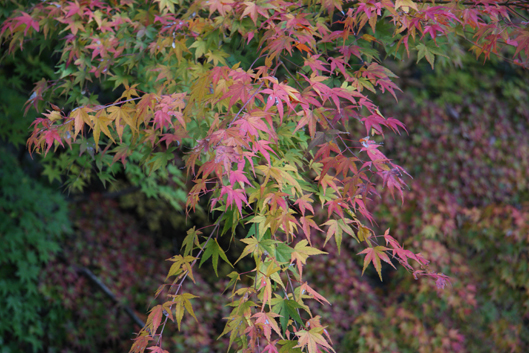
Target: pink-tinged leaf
point(393, 182)
point(305, 289)
point(250, 36)
point(262, 146)
point(433, 30)
point(442, 280)
point(422, 260)
point(337, 206)
point(374, 255)
point(326, 149)
point(27, 20)
point(328, 181)
point(270, 348)
point(81, 117)
point(237, 196)
point(162, 120)
point(339, 63)
point(140, 343)
point(268, 322)
point(375, 122)
point(388, 85)
point(359, 205)
point(313, 341)
point(237, 176)
point(254, 10)
point(157, 349)
point(304, 203)
point(252, 123)
point(371, 148)
point(275, 200)
point(155, 317)
point(390, 240)
point(225, 155)
point(347, 51)
point(50, 136)
point(315, 64)
point(306, 223)
point(394, 125)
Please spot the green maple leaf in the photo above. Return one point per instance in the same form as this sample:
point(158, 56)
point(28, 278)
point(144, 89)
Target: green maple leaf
point(288, 347)
point(181, 264)
point(217, 56)
point(429, 51)
point(190, 240)
point(200, 46)
point(214, 250)
point(182, 304)
point(287, 309)
point(169, 4)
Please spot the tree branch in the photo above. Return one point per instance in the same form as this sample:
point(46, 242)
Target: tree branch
point(93, 278)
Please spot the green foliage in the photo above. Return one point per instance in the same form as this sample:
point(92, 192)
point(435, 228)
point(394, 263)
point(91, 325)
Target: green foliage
point(30, 233)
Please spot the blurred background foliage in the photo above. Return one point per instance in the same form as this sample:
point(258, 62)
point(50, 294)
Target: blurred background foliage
point(467, 211)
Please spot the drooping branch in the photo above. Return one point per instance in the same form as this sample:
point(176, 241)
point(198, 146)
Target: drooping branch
point(93, 278)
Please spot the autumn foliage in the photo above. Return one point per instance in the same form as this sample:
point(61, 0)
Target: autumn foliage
point(269, 108)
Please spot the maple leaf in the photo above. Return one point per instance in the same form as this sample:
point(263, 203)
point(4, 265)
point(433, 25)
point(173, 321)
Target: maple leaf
point(313, 340)
point(222, 6)
point(182, 304)
point(336, 229)
point(270, 347)
point(157, 349)
point(269, 323)
point(406, 5)
point(393, 181)
point(155, 318)
point(240, 90)
point(275, 199)
point(252, 247)
point(262, 147)
point(281, 175)
point(121, 152)
point(214, 250)
point(237, 176)
point(191, 239)
point(81, 117)
point(306, 223)
point(120, 115)
point(50, 136)
point(302, 252)
point(308, 118)
point(375, 255)
point(287, 308)
point(252, 123)
point(304, 203)
point(140, 343)
point(315, 64)
point(101, 123)
point(305, 288)
point(181, 264)
point(237, 196)
point(254, 9)
point(27, 20)
point(328, 180)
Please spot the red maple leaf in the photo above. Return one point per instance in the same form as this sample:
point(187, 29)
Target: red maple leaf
point(237, 196)
point(50, 136)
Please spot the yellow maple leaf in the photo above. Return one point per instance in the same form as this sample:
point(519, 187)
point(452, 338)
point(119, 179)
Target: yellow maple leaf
point(405, 4)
